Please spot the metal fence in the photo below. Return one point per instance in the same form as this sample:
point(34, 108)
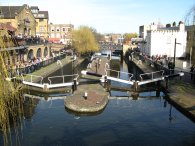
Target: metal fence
point(33, 66)
point(189, 77)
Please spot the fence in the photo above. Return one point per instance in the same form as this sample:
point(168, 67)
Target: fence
point(189, 77)
point(33, 66)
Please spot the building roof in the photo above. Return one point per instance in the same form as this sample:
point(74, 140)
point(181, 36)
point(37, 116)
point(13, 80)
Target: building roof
point(61, 25)
point(169, 28)
point(34, 7)
point(7, 26)
point(45, 13)
point(9, 12)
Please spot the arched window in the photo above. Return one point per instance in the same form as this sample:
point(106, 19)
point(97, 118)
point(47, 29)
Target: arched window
point(45, 51)
point(30, 54)
point(38, 53)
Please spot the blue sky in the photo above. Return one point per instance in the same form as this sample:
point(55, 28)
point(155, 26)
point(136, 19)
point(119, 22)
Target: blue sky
point(110, 16)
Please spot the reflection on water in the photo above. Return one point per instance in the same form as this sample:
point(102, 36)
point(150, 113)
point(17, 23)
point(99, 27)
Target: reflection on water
point(148, 120)
point(145, 121)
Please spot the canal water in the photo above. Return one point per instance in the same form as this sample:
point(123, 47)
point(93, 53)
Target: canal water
point(149, 120)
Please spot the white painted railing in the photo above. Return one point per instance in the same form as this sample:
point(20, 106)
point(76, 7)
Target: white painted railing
point(152, 75)
point(63, 83)
point(119, 74)
point(29, 81)
point(32, 78)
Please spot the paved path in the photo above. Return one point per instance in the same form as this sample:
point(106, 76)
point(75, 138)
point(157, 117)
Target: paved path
point(95, 101)
point(47, 70)
point(98, 66)
point(97, 97)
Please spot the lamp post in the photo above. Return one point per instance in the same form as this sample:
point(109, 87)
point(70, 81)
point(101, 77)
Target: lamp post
point(175, 51)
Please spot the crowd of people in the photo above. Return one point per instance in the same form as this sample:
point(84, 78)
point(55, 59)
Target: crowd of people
point(164, 62)
point(160, 59)
point(26, 67)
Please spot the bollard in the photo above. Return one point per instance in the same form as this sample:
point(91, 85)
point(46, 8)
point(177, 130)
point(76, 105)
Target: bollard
point(85, 95)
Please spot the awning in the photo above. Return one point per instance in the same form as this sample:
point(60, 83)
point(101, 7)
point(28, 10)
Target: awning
point(54, 40)
point(7, 26)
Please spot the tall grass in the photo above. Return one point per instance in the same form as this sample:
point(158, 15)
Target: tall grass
point(10, 104)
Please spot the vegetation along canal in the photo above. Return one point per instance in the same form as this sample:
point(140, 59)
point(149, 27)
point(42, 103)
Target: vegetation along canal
point(148, 118)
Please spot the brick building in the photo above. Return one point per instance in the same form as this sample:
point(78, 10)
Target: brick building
point(60, 33)
point(20, 17)
point(42, 20)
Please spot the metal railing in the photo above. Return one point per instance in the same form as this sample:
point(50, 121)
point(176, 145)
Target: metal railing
point(39, 82)
point(30, 68)
point(32, 79)
point(62, 78)
point(189, 77)
point(118, 74)
point(152, 75)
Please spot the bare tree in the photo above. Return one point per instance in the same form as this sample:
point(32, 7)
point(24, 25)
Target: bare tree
point(190, 21)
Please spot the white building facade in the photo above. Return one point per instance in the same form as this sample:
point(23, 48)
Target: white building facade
point(162, 41)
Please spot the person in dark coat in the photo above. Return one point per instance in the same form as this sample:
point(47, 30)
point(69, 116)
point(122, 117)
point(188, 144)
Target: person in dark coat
point(192, 71)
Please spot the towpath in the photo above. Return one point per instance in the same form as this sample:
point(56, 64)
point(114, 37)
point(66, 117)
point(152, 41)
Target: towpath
point(180, 93)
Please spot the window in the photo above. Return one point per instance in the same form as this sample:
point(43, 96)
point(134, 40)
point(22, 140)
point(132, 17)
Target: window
point(58, 29)
point(52, 29)
point(41, 15)
point(41, 19)
point(63, 29)
point(41, 29)
point(168, 40)
point(52, 35)
point(57, 35)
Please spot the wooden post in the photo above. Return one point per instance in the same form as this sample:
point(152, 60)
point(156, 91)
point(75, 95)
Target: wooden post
point(105, 82)
point(135, 94)
point(75, 84)
point(135, 86)
point(108, 85)
point(158, 93)
point(96, 65)
point(121, 55)
point(158, 83)
point(72, 88)
point(45, 88)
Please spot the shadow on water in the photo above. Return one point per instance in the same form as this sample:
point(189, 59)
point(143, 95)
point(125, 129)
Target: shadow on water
point(124, 121)
point(73, 67)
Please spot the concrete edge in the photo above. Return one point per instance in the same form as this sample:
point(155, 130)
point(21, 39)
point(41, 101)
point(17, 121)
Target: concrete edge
point(90, 109)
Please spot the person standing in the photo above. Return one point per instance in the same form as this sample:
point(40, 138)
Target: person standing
point(192, 71)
